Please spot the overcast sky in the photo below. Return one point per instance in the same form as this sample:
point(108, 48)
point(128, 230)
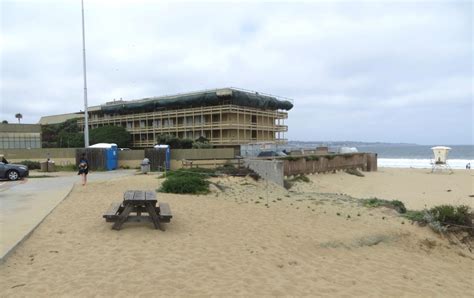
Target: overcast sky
point(360, 71)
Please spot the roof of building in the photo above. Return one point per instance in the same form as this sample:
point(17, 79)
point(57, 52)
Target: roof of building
point(202, 98)
point(55, 119)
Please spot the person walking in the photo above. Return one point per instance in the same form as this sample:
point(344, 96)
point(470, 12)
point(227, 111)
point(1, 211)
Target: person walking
point(83, 168)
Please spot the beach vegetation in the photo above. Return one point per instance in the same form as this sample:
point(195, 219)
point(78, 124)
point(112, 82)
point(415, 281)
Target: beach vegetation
point(312, 157)
point(301, 178)
point(415, 215)
point(452, 215)
point(393, 204)
point(291, 158)
point(185, 182)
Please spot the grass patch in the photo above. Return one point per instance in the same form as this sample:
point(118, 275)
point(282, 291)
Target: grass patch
point(415, 215)
point(394, 204)
point(288, 183)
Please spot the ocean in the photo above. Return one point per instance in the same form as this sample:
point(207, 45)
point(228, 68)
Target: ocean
point(418, 156)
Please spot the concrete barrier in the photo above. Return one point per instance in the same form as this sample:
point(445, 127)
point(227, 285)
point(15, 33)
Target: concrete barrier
point(271, 170)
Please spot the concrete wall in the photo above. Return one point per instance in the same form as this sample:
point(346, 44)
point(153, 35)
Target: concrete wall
point(61, 156)
point(126, 158)
point(130, 158)
point(221, 153)
point(271, 170)
point(329, 163)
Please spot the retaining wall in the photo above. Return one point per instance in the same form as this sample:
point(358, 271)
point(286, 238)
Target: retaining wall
point(329, 163)
point(271, 170)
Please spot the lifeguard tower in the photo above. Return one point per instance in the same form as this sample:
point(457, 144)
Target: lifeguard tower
point(440, 159)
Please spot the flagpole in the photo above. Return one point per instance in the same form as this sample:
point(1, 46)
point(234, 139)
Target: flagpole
point(86, 113)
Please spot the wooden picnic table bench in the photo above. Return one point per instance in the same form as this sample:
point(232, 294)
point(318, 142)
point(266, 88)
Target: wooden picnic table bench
point(138, 202)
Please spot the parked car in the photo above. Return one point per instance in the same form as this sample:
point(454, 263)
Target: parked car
point(13, 171)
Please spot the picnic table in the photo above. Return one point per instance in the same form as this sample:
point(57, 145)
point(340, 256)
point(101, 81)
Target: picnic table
point(138, 202)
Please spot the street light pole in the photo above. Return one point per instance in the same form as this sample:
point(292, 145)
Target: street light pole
point(86, 113)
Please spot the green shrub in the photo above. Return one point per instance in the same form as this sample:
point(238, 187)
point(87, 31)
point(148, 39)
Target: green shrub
point(449, 214)
point(312, 157)
point(291, 158)
point(32, 165)
point(394, 204)
point(440, 218)
point(415, 215)
point(189, 184)
point(399, 206)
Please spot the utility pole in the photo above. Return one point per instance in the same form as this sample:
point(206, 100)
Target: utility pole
point(86, 113)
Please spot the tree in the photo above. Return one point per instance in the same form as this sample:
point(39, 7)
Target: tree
point(4, 122)
point(62, 135)
point(110, 134)
point(174, 142)
point(19, 116)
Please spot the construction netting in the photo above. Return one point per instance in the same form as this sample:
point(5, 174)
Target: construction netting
point(210, 98)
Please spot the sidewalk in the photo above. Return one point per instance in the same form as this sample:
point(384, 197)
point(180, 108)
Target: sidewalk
point(24, 204)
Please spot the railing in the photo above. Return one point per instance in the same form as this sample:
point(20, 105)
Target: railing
point(189, 112)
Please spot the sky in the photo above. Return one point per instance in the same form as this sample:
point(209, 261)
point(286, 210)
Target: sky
point(375, 71)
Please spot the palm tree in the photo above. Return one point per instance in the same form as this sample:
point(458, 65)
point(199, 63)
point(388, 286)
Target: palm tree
point(18, 116)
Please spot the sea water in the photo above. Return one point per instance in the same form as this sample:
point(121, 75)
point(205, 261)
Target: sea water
point(418, 156)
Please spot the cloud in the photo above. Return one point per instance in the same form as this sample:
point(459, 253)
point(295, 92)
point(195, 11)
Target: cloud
point(341, 62)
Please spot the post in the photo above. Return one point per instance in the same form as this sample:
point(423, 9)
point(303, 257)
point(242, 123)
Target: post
point(86, 113)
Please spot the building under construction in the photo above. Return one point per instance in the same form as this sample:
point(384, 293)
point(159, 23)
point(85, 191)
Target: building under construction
point(226, 117)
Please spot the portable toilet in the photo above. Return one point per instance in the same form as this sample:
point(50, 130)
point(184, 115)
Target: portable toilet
point(111, 154)
point(163, 157)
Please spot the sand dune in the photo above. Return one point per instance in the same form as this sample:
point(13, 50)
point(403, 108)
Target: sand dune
point(251, 239)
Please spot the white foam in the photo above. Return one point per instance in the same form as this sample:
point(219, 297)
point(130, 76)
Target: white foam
point(420, 163)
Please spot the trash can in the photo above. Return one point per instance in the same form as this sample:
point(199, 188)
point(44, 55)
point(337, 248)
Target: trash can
point(145, 165)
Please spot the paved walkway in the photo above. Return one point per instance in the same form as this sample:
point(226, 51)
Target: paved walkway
point(25, 203)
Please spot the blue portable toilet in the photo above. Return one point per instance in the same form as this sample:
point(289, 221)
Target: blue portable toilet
point(111, 154)
point(164, 156)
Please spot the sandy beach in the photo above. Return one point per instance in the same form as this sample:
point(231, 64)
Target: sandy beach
point(251, 239)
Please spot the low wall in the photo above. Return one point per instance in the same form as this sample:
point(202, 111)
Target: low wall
point(130, 158)
point(194, 154)
point(61, 156)
point(328, 163)
point(271, 170)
